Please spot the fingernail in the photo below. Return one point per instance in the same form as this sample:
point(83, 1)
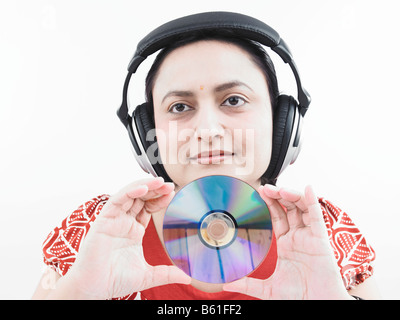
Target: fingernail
point(271, 187)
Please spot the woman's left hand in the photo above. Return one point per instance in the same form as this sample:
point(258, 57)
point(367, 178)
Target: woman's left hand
point(306, 268)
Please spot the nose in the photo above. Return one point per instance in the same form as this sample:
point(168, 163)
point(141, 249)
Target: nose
point(208, 125)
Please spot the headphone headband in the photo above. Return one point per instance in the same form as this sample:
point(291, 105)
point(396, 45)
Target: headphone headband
point(244, 26)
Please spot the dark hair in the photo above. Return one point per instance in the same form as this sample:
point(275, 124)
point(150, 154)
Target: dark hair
point(258, 54)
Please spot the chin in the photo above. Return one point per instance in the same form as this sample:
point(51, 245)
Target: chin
point(183, 176)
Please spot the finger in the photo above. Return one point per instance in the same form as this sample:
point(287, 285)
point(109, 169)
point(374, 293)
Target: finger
point(164, 188)
point(275, 193)
point(298, 199)
point(121, 202)
point(294, 197)
point(151, 205)
point(278, 215)
point(250, 286)
point(315, 217)
point(296, 207)
point(271, 191)
point(143, 218)
point(152, 184)
point(162, 275)
point(154, 205)
point(134, 190)
point(126, 198)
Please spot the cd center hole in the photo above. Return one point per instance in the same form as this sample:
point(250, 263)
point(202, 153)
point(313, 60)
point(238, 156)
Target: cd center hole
point(217, 229)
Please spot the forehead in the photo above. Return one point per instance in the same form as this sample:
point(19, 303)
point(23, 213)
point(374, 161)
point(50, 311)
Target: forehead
point(207, 61)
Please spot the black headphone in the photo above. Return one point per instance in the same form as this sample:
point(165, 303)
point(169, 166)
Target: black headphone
point(289, 113)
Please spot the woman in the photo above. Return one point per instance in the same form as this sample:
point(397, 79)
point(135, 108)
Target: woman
point(208, 93)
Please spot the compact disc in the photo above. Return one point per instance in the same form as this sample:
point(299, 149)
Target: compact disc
point(217, 229)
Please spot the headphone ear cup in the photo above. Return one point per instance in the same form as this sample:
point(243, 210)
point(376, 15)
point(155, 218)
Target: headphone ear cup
point(144, 122)
point(282, 132)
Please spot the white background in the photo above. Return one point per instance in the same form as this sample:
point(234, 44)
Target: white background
point(62, 67)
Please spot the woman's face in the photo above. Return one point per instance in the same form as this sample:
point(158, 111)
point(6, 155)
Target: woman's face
point(212, 113)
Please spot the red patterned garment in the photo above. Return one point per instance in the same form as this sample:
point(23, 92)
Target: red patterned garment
point(352, 252)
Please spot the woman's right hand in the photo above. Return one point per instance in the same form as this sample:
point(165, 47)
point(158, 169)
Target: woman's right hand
point(110, 262)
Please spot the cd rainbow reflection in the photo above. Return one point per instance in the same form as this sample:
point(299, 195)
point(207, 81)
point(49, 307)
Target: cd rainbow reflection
point(217, 229)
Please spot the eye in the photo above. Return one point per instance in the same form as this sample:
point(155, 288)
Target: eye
point(179, 108)
point(234, 101)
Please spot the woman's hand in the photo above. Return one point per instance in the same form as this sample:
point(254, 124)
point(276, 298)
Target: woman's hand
point(110, 262)
point(306, 268)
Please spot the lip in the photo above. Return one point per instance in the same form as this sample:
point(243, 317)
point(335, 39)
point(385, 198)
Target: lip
point(213, 156)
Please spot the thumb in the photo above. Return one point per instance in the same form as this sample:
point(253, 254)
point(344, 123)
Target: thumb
point(162, 275)
point(250, 286)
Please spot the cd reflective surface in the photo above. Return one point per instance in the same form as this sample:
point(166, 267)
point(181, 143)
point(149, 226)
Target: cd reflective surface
point(217, 229)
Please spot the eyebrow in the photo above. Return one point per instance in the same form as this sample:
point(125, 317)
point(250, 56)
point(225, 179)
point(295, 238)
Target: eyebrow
point(219, 88)
point(178, 93)
point(230, 85)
